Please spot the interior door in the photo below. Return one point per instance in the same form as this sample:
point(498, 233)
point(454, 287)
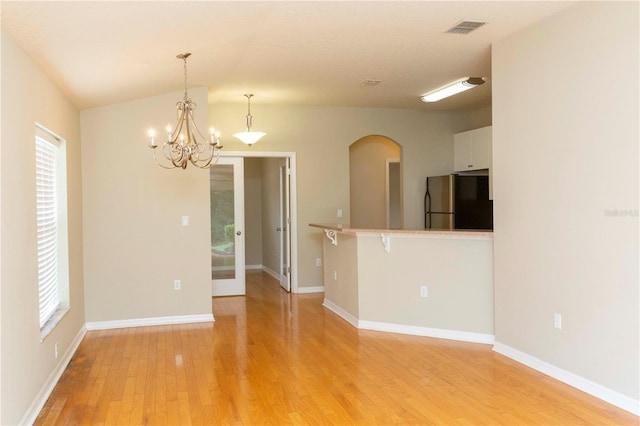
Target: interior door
point(227, 227)
point(285, 222)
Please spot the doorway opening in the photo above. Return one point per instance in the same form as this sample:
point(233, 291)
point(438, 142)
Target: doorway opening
point(253, 225)
point(375, 183)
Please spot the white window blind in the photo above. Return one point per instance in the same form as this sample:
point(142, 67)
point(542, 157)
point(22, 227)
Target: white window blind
point(47, 217)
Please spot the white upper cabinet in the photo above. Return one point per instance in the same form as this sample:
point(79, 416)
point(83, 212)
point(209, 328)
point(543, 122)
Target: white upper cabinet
point(472, 150)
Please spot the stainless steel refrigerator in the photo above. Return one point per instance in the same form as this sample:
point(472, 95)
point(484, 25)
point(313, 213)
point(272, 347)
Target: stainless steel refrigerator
point(458, 202)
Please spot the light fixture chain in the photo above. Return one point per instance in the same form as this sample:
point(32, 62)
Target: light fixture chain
point(185, 79)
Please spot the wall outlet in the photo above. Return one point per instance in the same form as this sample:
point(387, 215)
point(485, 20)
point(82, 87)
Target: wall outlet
point(335, 275)
point(557, 321)
point(318, 261)
point(185, 220)
point(424, 292)
point(177, 284)
point(339, 213)
point(55, 350)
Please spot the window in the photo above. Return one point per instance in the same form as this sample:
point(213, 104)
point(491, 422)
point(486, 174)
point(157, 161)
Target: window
point(51, 215)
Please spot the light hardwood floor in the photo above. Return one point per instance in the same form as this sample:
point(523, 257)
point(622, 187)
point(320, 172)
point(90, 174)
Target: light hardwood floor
point(276, 358)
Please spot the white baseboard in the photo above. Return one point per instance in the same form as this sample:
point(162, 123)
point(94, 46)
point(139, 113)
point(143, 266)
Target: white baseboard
point(36, 406)
point(440, 333)
point(464, 336)
point(612, 397)
point(271, 272)
point(340, 312)
point(143, 322)
point(305, 290)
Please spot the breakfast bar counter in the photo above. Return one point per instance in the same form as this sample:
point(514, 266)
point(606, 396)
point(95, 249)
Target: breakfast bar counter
point(435, 283)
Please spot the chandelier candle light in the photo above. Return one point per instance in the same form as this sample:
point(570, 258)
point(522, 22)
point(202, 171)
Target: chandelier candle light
point(182, 145)
point(249, 137)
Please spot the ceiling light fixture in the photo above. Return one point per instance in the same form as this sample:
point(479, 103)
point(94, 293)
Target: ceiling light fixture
point(452, 89)
point(249, 137)
point(182, 145)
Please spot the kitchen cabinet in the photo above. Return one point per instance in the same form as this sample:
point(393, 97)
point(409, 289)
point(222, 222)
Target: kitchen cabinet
point(472, 150)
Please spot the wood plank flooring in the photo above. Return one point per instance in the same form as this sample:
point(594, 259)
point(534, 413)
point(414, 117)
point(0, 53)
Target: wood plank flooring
point(276, 358)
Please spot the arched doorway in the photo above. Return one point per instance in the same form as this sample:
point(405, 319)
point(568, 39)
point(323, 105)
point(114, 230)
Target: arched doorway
point(375, 183)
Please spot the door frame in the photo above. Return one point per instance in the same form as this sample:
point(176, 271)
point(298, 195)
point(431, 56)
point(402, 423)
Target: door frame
point(387, 191)
point(293, 205)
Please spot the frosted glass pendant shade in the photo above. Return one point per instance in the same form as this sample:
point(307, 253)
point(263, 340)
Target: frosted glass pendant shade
point(249, 137)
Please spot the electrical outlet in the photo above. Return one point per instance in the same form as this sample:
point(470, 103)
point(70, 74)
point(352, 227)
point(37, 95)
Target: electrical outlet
point(177, 284)
point(318, 261)
point(335, 275)
point(185, 220)
point(339, 213)
point(424, 291)
point(55, 350)
point(557, 321)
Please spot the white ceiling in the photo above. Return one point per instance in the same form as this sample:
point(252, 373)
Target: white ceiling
point(285, 52)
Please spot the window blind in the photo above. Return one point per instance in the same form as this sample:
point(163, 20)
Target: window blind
point(47, 229)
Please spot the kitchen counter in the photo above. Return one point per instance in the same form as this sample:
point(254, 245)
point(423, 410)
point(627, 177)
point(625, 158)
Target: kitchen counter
point(436, 283)
point(457, 233)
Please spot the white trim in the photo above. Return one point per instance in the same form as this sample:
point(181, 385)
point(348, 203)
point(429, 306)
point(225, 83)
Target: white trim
point(271, 272)
point(340, 312)
point(387, 195)
point(463, 336)
point(144, 322)
point(293, 207)
point(440, 333)
point(45, 391)
point(608, 395)
point(306, 290)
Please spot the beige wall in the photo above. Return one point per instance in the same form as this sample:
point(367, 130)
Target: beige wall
point(458, 274)
point(253, 211)
point(27, 363)
point(135, 245)
point(320, 136)
point(565, 144)
point(271, 213)
point(367, 184)
point(341, 274)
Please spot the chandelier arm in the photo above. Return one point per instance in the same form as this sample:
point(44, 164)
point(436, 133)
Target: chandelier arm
point(175, 154)
point(213, 153)
point(196, 127)
point(159, 163)
point(176, 132)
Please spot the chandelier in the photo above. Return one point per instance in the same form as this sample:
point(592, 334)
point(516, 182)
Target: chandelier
point(186, 143)
point(249, 137)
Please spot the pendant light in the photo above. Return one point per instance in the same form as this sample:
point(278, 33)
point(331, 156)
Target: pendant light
point(249, 137)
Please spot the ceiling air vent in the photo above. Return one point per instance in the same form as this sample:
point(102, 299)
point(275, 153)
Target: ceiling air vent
point(465, 27)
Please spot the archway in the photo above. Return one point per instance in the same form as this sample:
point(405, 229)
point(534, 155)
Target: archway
point(375, 183)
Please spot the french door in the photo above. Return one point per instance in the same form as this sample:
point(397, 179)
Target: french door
point(227, 227)
point(285, 225)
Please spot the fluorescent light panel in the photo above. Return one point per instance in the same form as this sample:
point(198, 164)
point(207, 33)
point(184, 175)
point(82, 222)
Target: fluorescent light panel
point(452, 89)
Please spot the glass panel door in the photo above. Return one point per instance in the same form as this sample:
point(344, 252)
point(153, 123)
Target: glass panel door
point(227, 227)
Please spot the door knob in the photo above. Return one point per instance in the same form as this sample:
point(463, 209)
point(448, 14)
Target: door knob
point(278, 229)
point(238, 233)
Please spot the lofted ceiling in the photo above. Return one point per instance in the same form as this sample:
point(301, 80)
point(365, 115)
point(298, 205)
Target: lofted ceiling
point(285, 52)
